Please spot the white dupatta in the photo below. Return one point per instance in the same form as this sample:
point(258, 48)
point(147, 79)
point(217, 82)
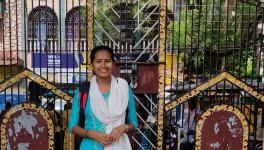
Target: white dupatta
point(111, 112)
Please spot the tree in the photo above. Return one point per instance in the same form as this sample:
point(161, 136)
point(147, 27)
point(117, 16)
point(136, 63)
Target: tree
point(211, 30)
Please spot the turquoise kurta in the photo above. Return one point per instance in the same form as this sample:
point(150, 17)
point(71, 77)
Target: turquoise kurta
point(92, 123)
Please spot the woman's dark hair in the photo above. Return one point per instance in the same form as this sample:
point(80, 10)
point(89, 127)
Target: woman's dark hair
point(100, 48)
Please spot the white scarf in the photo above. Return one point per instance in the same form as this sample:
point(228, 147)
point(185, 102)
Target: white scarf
point(111, 112)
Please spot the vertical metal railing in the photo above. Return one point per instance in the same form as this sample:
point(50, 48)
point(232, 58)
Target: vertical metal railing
point(195, 41)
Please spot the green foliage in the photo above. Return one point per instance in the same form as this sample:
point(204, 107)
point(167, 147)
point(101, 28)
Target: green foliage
point(213, 26)
point(105, 17)
point(110, 22)
point(209, 25)
point(241, 63)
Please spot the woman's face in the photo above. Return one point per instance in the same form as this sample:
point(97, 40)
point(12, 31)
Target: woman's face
point(103, 64)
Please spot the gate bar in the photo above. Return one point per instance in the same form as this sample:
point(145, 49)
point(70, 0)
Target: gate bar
point(162, 46)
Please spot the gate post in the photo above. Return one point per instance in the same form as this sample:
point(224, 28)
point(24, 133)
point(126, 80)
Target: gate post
point(162, 58)
point(90, 37)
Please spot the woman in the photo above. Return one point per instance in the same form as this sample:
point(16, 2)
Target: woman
point(110, 109)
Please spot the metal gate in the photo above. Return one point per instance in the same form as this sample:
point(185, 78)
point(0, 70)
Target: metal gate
point(214, 63)
point(182, 58)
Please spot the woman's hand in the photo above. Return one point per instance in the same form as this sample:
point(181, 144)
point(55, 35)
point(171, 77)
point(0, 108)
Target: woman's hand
point(99, 137)
point(116, 133)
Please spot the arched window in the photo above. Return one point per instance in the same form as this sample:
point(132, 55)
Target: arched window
point(42, 28)
point(75, 23)
point(42, 21)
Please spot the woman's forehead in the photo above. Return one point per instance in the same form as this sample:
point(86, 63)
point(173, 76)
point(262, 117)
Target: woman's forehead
point(102, 53)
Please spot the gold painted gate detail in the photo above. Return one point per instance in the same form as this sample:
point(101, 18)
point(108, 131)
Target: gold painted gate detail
point(199, 89)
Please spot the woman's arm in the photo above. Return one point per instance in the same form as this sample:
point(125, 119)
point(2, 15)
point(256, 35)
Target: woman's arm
point(79, 131)
point(74, 118)
point(131, 119)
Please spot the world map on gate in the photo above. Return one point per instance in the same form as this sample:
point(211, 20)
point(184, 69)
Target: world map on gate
point(223, 130)
point(26, 130)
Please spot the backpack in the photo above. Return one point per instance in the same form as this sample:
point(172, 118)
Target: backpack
point(82, 97)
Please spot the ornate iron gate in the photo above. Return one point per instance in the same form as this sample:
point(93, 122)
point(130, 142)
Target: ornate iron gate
point(181, 58)
point(207, 38)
